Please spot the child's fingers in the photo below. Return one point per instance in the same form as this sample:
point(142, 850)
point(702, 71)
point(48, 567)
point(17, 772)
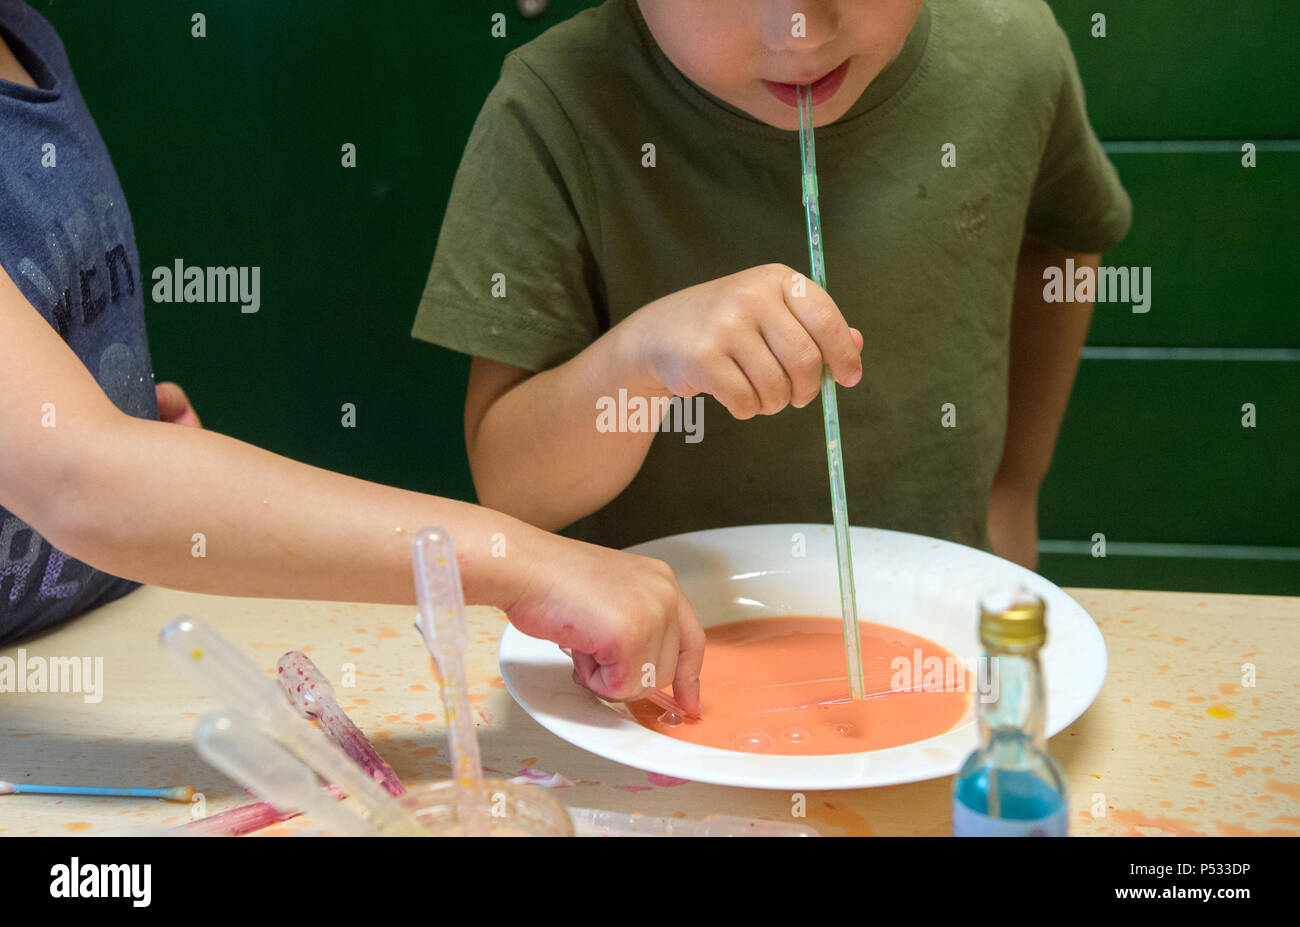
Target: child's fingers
point(821, 318)
point(730, 386)
point(797, 354)
point(764, 372)
point(690, 657)
point(174, 406)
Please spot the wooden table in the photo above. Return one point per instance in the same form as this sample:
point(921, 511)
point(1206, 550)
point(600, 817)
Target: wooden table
point(1178, 742)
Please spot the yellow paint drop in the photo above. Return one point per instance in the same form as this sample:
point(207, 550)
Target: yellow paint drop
point(1220, 711)
point(196, 654)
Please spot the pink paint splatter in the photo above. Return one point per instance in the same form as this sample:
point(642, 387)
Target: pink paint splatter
point(666, 781)
point(542, 778)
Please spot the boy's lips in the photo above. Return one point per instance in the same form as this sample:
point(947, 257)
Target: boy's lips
point(823, 88)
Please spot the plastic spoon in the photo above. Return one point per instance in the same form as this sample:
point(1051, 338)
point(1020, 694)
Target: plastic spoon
point(442, 624)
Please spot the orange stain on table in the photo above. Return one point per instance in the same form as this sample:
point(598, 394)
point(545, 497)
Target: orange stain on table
point(426, 717)
point(1135, 819)
point(1289, 789)
point(1227, 688)
point(1285, 732)
point(1236, 830)
point(77, 827)
point(778, 685)
point(387, 633)
point(419, 688)
point(1162, 704)
point(498, 683)
point(356, 650)
point(836, 815)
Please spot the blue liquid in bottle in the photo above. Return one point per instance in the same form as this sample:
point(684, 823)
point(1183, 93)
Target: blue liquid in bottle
point(1010, 786)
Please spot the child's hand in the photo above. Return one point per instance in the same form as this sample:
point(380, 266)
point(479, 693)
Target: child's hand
point(174, 406)
point(756, 341)
point(625, 619)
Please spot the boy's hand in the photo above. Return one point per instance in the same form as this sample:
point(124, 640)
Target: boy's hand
point(756, 341)
point(1013, 525)
point(625, 619)
point(174, 406)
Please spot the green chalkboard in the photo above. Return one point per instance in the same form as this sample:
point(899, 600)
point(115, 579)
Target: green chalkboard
point(230, 149)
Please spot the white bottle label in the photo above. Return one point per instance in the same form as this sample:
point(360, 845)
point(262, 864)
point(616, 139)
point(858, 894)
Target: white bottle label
point(969, 823)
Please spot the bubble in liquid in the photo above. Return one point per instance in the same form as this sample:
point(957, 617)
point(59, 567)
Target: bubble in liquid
point(754, 741)
point(670, 719)
point(843, 728)
point(796, 735)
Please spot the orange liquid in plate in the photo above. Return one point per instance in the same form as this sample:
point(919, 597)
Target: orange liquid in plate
point(767, 682)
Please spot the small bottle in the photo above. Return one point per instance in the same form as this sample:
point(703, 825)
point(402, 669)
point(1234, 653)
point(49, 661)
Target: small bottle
point(1010, 786)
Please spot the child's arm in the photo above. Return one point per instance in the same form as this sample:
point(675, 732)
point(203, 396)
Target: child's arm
point(756, 341)
point(1045, 342)
point(128, 496)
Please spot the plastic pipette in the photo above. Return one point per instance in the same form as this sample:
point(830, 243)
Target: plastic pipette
point(442, 624)
point(830, 409)
point(310, 692)
point(220, 670)
point(242, 752)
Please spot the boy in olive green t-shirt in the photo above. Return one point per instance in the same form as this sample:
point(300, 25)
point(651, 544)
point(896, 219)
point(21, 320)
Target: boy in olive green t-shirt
point(627, 222)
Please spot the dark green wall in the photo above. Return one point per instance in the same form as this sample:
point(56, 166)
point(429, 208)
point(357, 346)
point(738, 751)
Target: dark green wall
point(228, 148)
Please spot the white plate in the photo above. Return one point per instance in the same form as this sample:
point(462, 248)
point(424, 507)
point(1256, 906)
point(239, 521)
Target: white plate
point(920, 584)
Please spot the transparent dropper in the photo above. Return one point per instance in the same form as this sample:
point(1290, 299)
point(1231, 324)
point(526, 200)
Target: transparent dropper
point(222, 671)
point(830, 409)
point(249, 757)
point(442, 624)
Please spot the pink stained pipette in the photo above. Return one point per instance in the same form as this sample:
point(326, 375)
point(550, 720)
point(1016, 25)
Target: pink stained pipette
point(242, 820)
point(310, 692)
point(442, 624)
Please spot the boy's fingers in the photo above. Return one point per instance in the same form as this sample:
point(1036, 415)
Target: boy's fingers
point(731, 387)
point(797, 354)
point(821, 318)
point(765, 374)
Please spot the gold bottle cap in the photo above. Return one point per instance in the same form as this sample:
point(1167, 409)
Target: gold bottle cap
point(1013, 621)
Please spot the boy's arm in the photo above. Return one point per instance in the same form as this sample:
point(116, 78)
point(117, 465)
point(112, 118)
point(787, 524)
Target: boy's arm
point(1046, 339)
point(755, 340)
point(534, 450)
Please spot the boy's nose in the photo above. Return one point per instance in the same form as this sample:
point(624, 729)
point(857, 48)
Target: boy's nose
point(800, 27)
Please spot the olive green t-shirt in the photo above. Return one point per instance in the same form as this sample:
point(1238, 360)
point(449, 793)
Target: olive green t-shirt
point(558, 227)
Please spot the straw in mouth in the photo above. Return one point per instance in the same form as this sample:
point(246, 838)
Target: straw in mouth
point(830, 410)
